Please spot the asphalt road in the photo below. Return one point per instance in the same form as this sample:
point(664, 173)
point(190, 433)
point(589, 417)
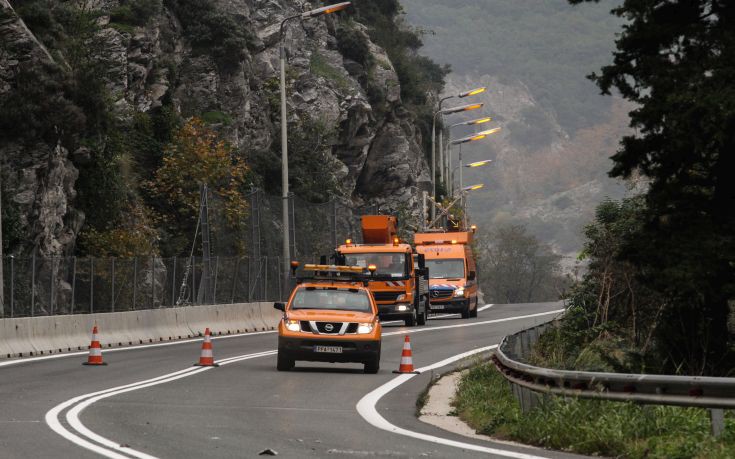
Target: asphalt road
point(245, 406)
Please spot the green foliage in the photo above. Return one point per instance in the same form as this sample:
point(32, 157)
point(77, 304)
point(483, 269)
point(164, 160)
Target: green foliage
point(319, 66)
point(217, 118)
point(593, 427)
point(212, 31)
point(353, 44)
point(548, 45)
point(135, 12)
point(674, 62)
point(517, 268)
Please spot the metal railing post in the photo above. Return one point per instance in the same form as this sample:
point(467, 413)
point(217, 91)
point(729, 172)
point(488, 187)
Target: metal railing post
point(173, 284)
point(717, 421)
point(33, 284)
point(91, 285)
point(135, 281)
point(153, 282)
point(234, 279)
point(112, 284)
point(214, 282)
point(52, 276)
point(73, 282)
point(12, 286)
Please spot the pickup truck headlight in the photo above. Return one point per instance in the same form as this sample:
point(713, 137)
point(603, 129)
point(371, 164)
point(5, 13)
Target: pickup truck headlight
point(365, 328)
point(292, 325)
point(459, 292)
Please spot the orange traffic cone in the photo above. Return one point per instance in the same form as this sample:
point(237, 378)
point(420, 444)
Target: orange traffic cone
point(95, 350)
point(206, 359)
point(406, 358)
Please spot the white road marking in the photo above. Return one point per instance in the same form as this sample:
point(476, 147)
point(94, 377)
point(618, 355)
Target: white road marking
point(128, 348)
point(485, 307)
point(366, 407)
point(473, 324)
point(83, 401)
point(111, 449)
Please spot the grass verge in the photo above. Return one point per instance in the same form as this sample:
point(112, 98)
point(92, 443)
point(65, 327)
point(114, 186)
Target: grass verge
point(596, 427)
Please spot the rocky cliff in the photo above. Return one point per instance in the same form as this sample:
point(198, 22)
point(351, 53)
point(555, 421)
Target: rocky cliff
point(215, 59)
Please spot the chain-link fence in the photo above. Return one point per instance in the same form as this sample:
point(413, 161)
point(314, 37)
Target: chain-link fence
point(35, 286)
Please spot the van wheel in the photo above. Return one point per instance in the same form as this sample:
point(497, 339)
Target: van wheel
point(283, 363)
point(372, 366)
point(421, 318)
point(411, 320)
point(466, 311)
point(473, 312)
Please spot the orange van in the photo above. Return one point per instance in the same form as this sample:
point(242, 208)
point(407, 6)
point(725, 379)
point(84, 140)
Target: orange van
point(452, 271)
point(330, 316)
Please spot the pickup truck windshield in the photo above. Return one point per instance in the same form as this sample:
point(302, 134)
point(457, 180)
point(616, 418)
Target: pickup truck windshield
point(446, 269)
point(389, 264)
point(337, 299)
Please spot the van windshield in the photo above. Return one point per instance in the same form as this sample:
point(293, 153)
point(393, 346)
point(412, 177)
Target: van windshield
point(446, 268)
point(331, 298)
point(391, 265)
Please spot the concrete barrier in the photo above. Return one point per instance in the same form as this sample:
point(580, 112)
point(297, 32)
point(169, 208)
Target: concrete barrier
point(22, 337)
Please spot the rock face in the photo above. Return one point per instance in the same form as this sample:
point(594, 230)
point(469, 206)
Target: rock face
point(373, 154)
point(38, 178)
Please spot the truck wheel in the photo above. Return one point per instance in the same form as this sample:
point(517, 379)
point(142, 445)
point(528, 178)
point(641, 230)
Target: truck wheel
point(411, 320)
point(473, 312)
point(372, 366)
point(466, 311)
point(283, 363)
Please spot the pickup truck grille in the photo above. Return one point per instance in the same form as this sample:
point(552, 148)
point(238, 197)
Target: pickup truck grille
point(386, 296)
point(322, 328)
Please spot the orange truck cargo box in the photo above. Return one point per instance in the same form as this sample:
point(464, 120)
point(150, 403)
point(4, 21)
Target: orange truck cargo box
point(379, 229)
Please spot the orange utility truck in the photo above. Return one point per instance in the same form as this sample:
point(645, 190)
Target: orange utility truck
point(400, 284)
point(453, 275)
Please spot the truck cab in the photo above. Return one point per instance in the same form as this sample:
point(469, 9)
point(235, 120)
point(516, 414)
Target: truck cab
point(400, 282)
point(453, 275)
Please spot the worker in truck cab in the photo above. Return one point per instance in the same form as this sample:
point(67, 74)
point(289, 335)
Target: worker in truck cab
point(400, 282)
point(452, 272)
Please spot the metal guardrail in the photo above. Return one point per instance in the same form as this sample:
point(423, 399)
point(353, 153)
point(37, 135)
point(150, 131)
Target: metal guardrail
point(690, 391)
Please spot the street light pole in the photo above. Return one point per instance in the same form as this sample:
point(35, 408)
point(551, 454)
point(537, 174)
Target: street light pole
point(284, 128)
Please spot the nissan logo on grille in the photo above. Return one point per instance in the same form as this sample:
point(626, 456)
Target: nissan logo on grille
point(329, 327)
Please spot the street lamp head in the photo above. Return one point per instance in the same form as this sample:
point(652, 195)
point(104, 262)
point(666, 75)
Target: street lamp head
point(461, 108)
point(472, 92)
point(489, 131)
point(473, 187)
point(479, 163)
point(484, 120)
point(325, 10)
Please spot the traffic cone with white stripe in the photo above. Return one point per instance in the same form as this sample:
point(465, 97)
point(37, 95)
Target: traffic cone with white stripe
point(95, 350)
point(206, 359)
point(406, 365)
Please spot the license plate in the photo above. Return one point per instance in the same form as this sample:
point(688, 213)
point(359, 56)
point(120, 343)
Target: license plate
point(330, 349)
point(437, 306)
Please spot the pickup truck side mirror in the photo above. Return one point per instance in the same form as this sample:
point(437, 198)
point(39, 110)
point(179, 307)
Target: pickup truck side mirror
point(472, 276)
point(280, 306)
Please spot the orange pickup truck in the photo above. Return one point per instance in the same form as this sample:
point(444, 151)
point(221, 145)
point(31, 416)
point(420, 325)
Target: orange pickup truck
point(400, 283)
point(453, 275)
point(330, 316)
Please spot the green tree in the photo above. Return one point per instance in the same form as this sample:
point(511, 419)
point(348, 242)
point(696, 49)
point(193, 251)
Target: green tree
point(675, 61)
point(516, 268)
